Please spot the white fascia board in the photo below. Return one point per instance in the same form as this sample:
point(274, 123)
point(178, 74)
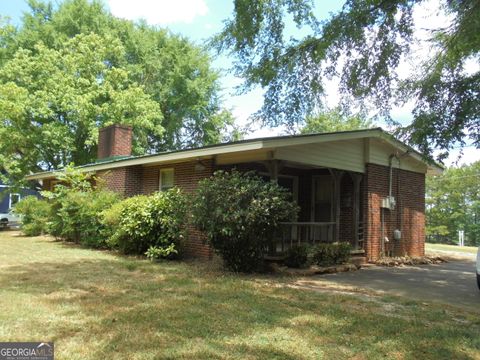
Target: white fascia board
point(232, 148)
point(432, 169)
point(320, 138)
point(214, 150)
point(159, 159)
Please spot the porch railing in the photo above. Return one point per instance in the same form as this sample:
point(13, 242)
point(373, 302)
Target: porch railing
point(293, 233)
point(360, 236)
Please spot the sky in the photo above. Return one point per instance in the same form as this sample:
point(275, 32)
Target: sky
point(200, 19)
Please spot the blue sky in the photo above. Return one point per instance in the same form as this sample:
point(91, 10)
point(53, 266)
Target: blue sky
point(200, 19)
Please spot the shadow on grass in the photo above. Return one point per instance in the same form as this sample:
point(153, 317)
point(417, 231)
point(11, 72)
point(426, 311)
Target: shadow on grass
point(122, 307)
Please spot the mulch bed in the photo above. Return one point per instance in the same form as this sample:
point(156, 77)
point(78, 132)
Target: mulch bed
point(405, 261)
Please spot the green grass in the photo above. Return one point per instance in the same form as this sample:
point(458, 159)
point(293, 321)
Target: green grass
point(96, 305)
point(444, 247)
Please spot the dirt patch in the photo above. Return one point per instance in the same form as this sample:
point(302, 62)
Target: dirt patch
point(315, 270)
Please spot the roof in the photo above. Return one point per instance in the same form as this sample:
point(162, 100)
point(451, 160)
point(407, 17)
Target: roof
point(246, 145)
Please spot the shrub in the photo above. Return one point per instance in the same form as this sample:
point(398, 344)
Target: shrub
point(239, 213)
point(76, 209)
point(331, 254)
point(110, 219)
point(153, 224)
point(79, 215)
point(158, 252)
point(35, 213)
point(297, 256)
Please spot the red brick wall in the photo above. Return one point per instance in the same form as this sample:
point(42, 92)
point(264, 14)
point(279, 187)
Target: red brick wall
point(186, 178)
point(126, 180)
point(408, 188)
point(114, 140)
point(131, 181)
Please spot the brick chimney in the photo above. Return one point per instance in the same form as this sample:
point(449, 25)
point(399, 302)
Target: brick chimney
point(114, 140)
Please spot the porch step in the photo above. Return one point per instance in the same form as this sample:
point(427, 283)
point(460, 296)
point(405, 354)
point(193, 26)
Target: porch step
point(357, 252)
point(358, 259)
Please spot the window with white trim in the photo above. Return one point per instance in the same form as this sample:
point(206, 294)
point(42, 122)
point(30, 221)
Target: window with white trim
point(166, 179)
point(14, 199)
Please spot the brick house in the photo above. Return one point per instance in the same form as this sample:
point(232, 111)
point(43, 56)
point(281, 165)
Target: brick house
point(364, 186)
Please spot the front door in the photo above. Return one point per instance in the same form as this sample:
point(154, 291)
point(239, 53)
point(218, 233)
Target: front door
point(322, 198)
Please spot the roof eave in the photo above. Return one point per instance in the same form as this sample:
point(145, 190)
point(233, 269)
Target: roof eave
point(247, 145)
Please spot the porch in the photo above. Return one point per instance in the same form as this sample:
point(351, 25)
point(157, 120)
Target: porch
point(330, 200)
point(312, 233)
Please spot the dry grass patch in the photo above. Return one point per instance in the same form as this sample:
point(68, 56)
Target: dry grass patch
point(96, 305)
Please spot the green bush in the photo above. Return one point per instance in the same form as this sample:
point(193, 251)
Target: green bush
point(35, 213)
point(161, 252)
point(79, 215)
point(110, 219)
point(297, 256)
point(76, 210)
point(239, 213)
point(152, 225)
point(331, 254)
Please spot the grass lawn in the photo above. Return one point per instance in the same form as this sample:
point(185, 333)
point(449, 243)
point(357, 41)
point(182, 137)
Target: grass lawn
point(444, 247)
point(95, 305)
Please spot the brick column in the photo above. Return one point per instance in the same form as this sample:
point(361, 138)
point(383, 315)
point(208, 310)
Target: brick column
point(408, 188)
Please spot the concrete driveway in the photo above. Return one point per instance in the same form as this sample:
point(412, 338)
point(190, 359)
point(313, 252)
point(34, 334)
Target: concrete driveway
point(453, 282)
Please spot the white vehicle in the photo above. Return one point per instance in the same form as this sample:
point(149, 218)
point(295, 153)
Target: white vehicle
point(8, 220)
point(478, 267)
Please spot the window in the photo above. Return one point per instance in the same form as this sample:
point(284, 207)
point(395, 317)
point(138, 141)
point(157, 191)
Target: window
point(14, 199)
point(166, 179)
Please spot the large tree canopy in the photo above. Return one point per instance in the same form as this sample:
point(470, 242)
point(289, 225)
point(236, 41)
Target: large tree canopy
point(333, 120)
point(69, 69)
point(53, 102)
point(362, 45)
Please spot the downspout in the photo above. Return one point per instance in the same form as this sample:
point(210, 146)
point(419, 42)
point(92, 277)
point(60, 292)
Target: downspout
point(390, 179)
point(382, 210)
point(390, 185)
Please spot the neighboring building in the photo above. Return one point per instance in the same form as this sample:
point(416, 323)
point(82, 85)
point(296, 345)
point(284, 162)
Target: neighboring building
point(8, 199)
point(364, 186)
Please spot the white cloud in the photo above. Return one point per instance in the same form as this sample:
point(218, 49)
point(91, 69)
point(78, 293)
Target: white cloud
point(159, 12)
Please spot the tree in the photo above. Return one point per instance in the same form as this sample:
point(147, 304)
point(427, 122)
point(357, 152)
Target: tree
point(53, 102)
point(453, 204)
point(160, 83)
point(363, 44)
point(334, 120)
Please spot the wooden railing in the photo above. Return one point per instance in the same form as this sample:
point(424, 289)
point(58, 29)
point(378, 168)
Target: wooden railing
point(293, 233)
point(360, 235)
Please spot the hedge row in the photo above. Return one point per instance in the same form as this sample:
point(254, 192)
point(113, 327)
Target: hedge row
point(79, 212)
point(238, 212)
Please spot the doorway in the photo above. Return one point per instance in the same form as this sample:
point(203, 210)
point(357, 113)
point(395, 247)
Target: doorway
point(322, 198)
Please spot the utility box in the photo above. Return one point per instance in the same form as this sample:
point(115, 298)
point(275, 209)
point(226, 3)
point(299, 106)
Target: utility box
point(388, 203)
point(397, 235)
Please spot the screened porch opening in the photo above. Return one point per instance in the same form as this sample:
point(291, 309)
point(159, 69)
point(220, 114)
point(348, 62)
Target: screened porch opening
point(330, 202)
